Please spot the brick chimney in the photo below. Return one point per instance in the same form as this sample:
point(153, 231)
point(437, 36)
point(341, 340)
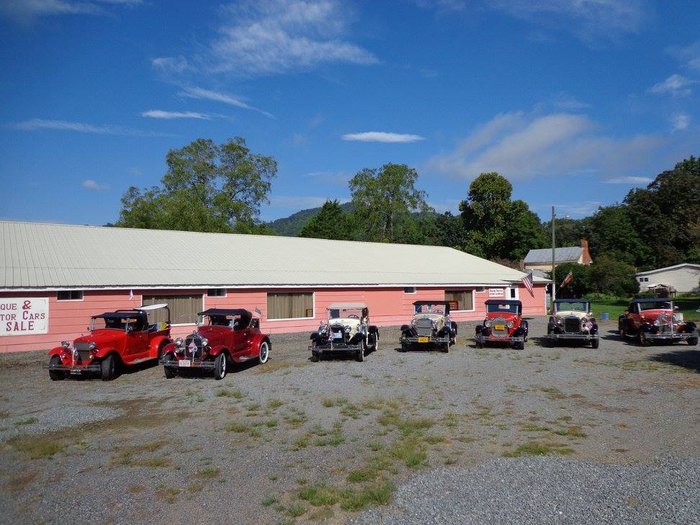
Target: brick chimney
point(585, 256)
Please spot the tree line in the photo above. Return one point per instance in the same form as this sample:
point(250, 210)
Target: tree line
point(220, 188)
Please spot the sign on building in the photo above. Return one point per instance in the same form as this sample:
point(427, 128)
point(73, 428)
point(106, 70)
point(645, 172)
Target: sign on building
point(497, 292)
point(24, 316)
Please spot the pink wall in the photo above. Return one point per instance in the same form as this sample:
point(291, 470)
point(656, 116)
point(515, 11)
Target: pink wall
point(388, 307)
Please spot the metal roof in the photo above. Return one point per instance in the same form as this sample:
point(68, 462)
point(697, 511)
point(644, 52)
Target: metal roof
point(668, 268)
point(544, 255)
point(57, 256)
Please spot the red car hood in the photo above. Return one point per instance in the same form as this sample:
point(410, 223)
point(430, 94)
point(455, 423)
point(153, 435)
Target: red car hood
point(101, 338)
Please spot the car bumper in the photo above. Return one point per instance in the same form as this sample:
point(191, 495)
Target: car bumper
point(677, 336)
point(76, 370)
point(334, 347)
point(583, 336)
point(496, 339)
point(425, 339)
point(185, 364)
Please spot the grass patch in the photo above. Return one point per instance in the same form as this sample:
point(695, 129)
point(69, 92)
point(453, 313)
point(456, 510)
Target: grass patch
point(268, 501)
point(296, 509)
point(236, 394)
point(539, 448)
point(28, 421)
point(36, 447)
point(362, 475)
point(208, 473)
point(553, 393)
point(274, 403)
point(572, 431)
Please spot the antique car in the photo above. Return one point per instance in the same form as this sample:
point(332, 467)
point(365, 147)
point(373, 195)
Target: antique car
point(116, 339)
point(504, 324)
point(430, 326)
point(346, 330)
point(656, 320)
point(572, 320)
point(224, 336)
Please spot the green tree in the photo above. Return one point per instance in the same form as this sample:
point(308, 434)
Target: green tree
point(387, 207)
point(207, 187)
point(579, 286)
point(496, 227)
point(613, 233)
point(569, 232)
point(613, 277)
point(331, 222)
point(666, 213)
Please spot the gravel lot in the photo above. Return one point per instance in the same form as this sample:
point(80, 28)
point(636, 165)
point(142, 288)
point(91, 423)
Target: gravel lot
point(543, 435)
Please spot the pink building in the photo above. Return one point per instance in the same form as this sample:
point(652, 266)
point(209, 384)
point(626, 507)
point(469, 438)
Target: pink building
point(54, 277)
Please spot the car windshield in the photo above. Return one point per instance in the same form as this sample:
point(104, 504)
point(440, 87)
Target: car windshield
point(511, 308)
point(344, 313)
point(430, 309)
point(656, 305)
point(116, 322)
point(576, 306)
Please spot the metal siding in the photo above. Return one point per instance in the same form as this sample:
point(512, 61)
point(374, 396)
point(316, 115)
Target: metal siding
point(68, 256)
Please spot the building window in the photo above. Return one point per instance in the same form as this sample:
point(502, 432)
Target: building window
point(70, 295)
point(513, 293)
point(290, 305)
point(409, 289)
point(463, 298)
point(183, 308)
point(216, 292)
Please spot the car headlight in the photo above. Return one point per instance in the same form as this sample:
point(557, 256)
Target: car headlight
point(65, 344)
point(346, 328)
point(509, 324)
point(205, 341)
point(560, 320)
point(92, 347)
point(487, 323)
point(433, 323)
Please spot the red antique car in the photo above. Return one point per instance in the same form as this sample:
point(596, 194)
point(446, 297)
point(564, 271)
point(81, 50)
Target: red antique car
point(123, 337)
point(224, 336)
point(504, 324)
point(656, 319)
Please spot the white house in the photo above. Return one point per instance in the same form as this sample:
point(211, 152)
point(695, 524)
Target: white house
point(679, 278)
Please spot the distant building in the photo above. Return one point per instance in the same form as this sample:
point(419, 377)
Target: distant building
point(679, 278)
point(541, 259)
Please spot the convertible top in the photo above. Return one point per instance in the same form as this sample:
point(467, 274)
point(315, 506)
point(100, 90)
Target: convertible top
point(503, 301)
point(338, 306)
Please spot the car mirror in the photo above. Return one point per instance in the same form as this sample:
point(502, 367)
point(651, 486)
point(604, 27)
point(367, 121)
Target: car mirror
point(675, 308)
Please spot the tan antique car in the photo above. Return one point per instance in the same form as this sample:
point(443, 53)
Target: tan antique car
point(572, 320)
point(346, 330)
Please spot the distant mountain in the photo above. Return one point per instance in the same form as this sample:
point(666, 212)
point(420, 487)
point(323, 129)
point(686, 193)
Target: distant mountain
point(291, 226)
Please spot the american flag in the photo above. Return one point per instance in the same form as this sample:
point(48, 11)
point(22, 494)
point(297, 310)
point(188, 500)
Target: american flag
point(567, 280)
point(527, 281)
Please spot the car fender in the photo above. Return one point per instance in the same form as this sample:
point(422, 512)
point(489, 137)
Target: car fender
point(171, 347)
point(56, 351)
point(405, 328)
point(645, 327)
point(155, 343)
point(216, 350)
point(373, 330)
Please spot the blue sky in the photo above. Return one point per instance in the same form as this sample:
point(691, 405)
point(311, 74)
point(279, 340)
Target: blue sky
point(575, 102)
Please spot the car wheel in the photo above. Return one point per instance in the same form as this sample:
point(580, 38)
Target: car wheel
point(56, 375)
point(169, 371)
point(479, 343)
point(693, 341)
point(220, 366)
point(314, 357)
point(108, 368)
point(520, 345)
point(360, 355)
point(643, 341)
point(595, 342)
point(264, 352)
point(445, 347)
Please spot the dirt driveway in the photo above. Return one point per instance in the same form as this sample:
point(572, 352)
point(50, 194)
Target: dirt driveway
point(293, 441)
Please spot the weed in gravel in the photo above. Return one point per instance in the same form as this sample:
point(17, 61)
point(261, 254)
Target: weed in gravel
point(296, 509)
point(135, 489)
point(296, 418)
point(538, 448)
point(208, 473)
point(330, 403)
point(274, 404)
point(237, 427)
point(377, 494)
point(361, 475)
point(4, 414)
point(319, 495)
point(252, 407)
point(27, 421)
point(168, 494)
point(271, 423)
point(573, 431)
point(236, 394)
point(36, 447)
point(268, 501)
point(553, 393)
point(301, 442)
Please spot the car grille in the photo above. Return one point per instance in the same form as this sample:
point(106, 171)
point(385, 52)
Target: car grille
point(424, 327)
point(83, 350)
point(572, 324)
point(665, 323)
point(193, 345)
point(499, 327)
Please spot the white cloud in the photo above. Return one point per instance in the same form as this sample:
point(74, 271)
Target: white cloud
point(520, 147)
point(590, 20)
point(200, 93)
point(80, 127)
point(275, 36)
point(382, 136)
point(675, 85)
point(25, 11)
point(90, 184)
point(680, 122)
point(637, 181)
point(689, 55)
point(298, 202)
point(170, 115)
point(170, 65)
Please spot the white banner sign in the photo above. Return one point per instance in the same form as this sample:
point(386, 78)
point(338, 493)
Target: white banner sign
point(497, 292)
point(25, 316)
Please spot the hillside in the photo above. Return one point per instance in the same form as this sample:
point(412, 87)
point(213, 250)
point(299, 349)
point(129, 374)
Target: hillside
point(291, 226)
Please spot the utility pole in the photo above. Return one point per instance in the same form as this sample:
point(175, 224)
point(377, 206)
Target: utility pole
point(554, 285)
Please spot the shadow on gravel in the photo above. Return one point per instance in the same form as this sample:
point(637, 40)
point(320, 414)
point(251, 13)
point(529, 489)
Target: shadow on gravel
point(689, 359)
